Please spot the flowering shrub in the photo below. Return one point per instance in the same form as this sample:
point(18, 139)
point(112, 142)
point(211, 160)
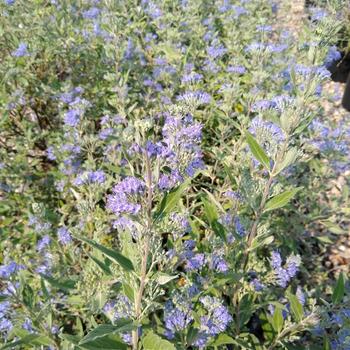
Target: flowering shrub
point(161, 170)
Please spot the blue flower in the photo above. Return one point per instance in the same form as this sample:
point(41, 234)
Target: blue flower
point(43, 243)
point(120, 201)
point(50, 153)
point(5, 325)
point(236, 69)
point(21, 51)
point(196, 97)
point(264, 28)
point(317, 14)
point(91, 13)
point(257, 285)
point(216, 50)
point(332, 56)
point(218, 263)
point(176, 320)
point(64, 236)
point(276, 260)
point(217, 318)
point(28, 325)
point(72, 117)
point(195, 262)
point(286, 273)
point(4, 307)
point(6, 271)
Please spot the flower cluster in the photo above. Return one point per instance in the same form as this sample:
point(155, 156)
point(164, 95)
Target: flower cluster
point(286, 273)
point(124, 197)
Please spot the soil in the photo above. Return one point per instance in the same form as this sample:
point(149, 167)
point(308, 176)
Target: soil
point(291, 15)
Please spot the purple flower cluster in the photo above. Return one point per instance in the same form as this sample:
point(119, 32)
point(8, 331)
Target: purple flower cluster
point(123, 223)
point(64, 237)
point(120, 308)
point(90, 177)
point(326, 139)
point(21, 51)
point(191, 77)
point(91, 13)
point(239, 11)
point(43, 243)
point(6, 271)
point(179, 225)
point(257, 285)
point(177, 318)
point(76, 104)
point(278, 103)
point(264, 127)
point(152, 10)
point(317, 14)
point(286, 273)
point(233, 225)
point(5, 321)
point(195, 98)
point(271, 48)
point(218, 263)
point(124, 195)
point(216, 50)
point(236, 69)
point(39, 224)
point(214, 322)
point(333, 55)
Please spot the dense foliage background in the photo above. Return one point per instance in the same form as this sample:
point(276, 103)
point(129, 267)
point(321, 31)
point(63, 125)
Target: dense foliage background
point(169, 178)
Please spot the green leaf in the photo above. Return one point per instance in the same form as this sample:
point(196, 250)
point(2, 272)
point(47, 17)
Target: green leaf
point(109, 342)
point(257, 151)
point(326, 343)
point(266, 325)
point(153, 341)
point(30, 339)
point(163, 278)
point(103, 266)
point(104, 330)
point(128, 291)
point(280, 200)
point(28, 296)
point(277, 320)
point(333, 227)
point(289, 158)
point(210, 211)
point(224, 339)
point(192, 335)
point(74, 339)
point(212, 216)
point(111, 254)
point(338, 292)
point(260, 241)
point(59, 284)
point(171, 199)
point(296, 307)
point(219, 229)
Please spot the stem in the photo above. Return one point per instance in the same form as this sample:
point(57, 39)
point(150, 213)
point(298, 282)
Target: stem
point(265, 196)
point(254, 229)
point(145, 253)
